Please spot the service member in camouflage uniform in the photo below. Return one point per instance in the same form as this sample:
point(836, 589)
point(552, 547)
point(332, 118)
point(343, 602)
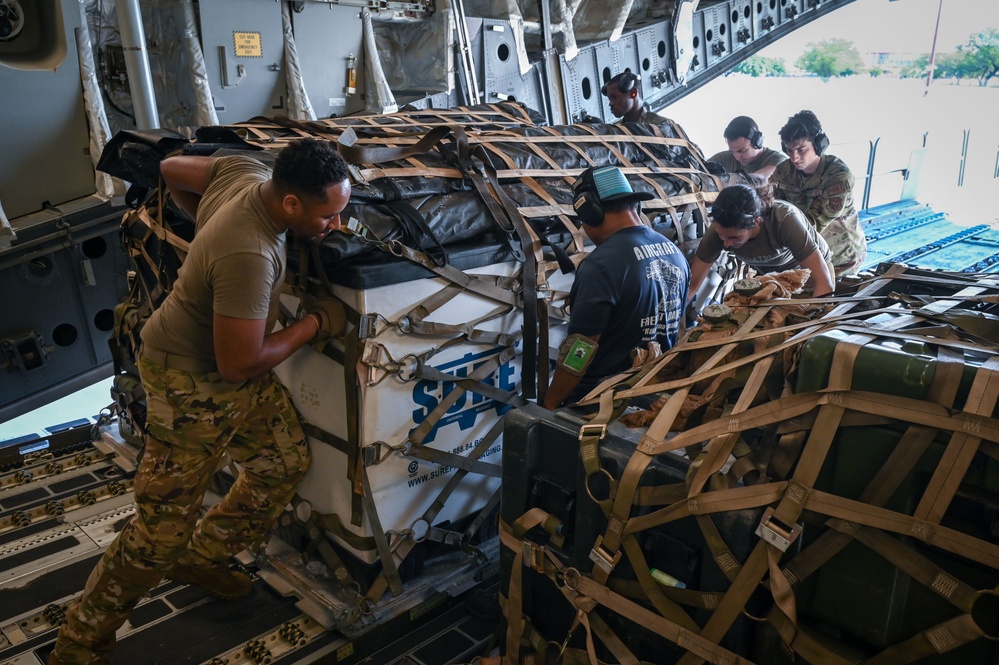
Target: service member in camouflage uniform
point(821, 185)
point(205, 363)
point(625, 99)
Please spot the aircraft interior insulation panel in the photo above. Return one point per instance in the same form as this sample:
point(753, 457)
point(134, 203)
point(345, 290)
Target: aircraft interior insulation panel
point(325, 62)
point(244, 56)
point(45, 132)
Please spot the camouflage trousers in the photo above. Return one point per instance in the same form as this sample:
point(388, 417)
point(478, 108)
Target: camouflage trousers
point(847, 244)
point(192, 420)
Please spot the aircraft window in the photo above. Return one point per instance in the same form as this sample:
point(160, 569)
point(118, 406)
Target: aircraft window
point(662, 49)
point(721, 30)
point(735, 16)
point(587, 87)
point(645, 64)
point(503, 52)
point(709, 35)
point(606, 74)
point(747, 12)
point(697, 42)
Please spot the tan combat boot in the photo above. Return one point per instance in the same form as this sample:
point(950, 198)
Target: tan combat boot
point(219, 580)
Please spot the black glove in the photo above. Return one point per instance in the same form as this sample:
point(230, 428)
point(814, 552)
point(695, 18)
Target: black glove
point(331, 314)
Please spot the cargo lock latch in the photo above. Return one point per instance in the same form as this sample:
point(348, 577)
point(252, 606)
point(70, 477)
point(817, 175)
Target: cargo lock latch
point(775, 533)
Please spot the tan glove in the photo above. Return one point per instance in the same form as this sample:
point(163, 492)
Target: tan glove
point(331, 314)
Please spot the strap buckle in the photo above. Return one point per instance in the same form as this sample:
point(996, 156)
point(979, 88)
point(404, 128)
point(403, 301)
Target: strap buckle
point(534, 556)
point(598, 430)
point(602, 558)
point(776, 533)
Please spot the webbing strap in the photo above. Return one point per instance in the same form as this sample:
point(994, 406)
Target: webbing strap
point(389, 570)
point(421, 431)
point(356, 154)
point(680, 636)
point(962, 447)
point(403, 549)
point(945, 636)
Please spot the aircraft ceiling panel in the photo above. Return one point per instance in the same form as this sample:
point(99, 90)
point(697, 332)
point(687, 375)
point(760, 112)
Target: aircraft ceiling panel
point(653, 45)
point(741, 23)
point(699, 61)
point(514, 87)
point(765, 17)
point(790, 9)
point(499, 49)
point(717, 40)
point(581, 81)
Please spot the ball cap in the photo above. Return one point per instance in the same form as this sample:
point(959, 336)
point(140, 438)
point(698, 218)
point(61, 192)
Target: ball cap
point(610, 184)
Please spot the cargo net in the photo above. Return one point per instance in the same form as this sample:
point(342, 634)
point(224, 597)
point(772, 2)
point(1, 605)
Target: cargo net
point(425, 183)
point(842, 464)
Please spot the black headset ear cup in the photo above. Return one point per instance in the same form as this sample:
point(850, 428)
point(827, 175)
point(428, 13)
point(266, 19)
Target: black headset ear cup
point(755, 138)
point(627, 82)
point(588, 208)
point(820, 143)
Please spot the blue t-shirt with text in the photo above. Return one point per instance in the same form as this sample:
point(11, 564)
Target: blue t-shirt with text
point(631, 290)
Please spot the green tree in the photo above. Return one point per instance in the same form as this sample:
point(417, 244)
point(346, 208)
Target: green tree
point(980, 56)
point(917, 69)
point(832, 57)
point(952, 65)
point(758, 65)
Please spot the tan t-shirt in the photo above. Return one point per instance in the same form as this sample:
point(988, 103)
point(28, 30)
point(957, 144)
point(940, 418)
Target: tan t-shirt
point(786, 238)
point(235, 266)
point(766, 158)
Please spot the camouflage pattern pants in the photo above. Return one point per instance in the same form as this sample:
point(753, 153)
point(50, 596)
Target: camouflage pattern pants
point(192, 419)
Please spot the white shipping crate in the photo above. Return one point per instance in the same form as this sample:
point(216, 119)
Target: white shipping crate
point(392, 405)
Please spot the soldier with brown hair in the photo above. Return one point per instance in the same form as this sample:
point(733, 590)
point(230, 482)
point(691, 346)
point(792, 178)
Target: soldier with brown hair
point(821, 185)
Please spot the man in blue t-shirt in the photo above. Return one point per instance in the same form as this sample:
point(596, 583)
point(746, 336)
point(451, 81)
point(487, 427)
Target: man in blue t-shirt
point(630, 291)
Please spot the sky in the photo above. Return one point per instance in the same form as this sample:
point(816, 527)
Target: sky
point(900, 26)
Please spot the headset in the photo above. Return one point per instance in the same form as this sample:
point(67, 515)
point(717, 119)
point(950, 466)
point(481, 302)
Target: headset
point(745, 126)
point(625, 82)
point(810, 123)
point(586, 201)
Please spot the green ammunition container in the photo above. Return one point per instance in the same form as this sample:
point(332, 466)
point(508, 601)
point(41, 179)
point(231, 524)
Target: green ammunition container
point(859, 599)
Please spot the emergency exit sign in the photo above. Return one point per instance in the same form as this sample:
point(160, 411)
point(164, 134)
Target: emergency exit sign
point(248, 44)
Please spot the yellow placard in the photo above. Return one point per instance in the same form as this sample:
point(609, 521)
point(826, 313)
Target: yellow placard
point(248, 44)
